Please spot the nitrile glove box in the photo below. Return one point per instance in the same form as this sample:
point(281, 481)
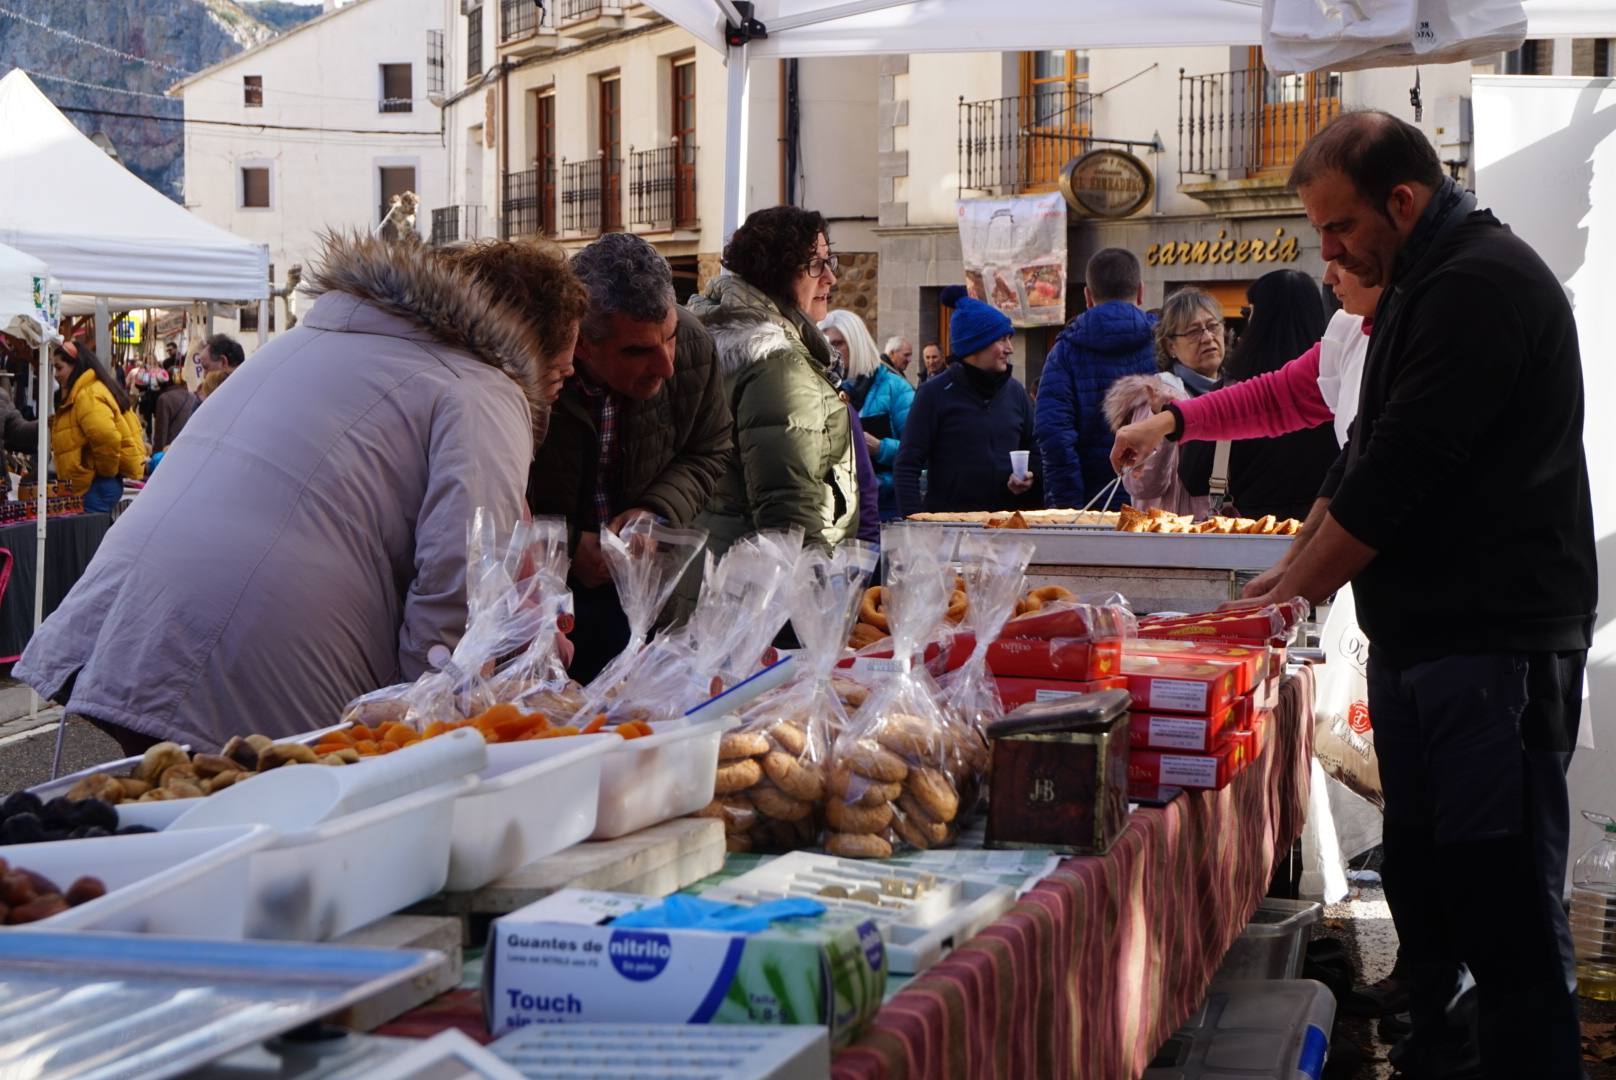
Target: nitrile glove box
point(559, 960)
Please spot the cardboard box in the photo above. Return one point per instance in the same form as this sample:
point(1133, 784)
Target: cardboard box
point(1170, 731)
point(559, 960)
point(1151, 768)
point(1065, 790)
point(1015, 691)
point(1254, 660)
point(1195, 687)
point(1055, 658)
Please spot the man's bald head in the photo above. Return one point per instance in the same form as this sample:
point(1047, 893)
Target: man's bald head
point(1374, 150)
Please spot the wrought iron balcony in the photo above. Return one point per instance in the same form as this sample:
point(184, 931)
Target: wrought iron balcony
point(452, 224)
point(662, 187)
point(1014, 144)
point(591, 196)
point(1249, 124)
point(529, 204)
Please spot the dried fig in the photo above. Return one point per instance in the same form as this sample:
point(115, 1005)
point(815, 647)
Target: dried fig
point(278, 754)
point(163, 756)
point(103, 786)
point(84, 890)
point(176, 773)
point(223, 780)
point(207, 765)
point(41, 907)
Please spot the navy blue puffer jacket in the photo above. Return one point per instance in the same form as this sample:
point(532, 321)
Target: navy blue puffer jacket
point(1099, 347)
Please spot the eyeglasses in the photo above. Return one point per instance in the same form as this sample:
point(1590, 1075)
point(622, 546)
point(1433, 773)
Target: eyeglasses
point(818, 266)
point(1215, 329)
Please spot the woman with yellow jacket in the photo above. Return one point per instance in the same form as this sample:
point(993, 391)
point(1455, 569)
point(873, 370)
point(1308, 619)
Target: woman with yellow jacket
point(95, 435)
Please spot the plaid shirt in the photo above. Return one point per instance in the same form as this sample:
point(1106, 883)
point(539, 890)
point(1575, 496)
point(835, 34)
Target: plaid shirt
point(605, 407)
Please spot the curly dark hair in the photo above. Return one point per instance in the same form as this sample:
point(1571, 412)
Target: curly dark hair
point(534, 276)
point(773, 246)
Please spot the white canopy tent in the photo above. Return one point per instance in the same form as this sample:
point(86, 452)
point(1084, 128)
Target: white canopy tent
point(105, 234)
point(807, 28)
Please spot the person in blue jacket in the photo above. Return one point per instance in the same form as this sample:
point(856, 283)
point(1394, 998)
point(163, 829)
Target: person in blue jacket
point(965, 423)
point(1111, 339)
point(879, 393)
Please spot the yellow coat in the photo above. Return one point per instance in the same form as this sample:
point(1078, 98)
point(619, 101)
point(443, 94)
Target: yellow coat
point(90, 438)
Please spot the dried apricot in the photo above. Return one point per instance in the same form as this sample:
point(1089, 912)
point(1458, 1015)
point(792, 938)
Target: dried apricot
point(595, 725)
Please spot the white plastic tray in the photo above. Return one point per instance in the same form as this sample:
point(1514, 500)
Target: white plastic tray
point(657, 777)
point(918, 931)
point(155, 815)
point(181, 883)
point(534, 799)
point(323, 882)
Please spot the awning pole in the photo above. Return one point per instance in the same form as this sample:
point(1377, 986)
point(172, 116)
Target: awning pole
point(103, 331)
point(737, 131)
point(42, 409)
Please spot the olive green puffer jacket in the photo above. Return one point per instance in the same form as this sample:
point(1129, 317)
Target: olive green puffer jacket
point(793, 461)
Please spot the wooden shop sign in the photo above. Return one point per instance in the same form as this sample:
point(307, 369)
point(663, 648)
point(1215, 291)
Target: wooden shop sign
point(1107, 183)
point(1281, 248)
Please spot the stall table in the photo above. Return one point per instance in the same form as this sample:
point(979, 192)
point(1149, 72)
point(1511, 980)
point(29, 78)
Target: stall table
point(70, 543)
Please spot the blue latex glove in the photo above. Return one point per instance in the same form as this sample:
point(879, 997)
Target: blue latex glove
point(680, 912)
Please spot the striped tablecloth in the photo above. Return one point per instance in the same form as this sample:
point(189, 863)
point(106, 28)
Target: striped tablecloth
point(1105, 958)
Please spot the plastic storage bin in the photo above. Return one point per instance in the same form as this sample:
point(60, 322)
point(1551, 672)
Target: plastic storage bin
point(534, 799)
point(661, 776)
point(191, 883)
point(323, 882)
point(1274, 944)
point(1252, 1030)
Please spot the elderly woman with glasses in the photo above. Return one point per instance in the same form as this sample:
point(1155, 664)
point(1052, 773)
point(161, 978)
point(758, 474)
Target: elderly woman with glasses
point(1189, 356)
point(794, 461)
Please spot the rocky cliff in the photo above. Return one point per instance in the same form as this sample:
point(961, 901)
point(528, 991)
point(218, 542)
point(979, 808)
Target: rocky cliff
point(156, 42)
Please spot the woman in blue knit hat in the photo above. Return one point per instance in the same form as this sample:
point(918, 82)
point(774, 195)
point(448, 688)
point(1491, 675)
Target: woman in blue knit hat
point(966, 421)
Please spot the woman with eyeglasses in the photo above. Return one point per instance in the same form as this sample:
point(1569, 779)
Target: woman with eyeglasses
point(880, 395)
point(794, 462)
point(96, 438)
point(1189, 356)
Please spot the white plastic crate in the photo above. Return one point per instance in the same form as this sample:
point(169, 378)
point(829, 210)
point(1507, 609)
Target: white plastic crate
point(661, 776)
point(1264, 1029)
point(1274, 944)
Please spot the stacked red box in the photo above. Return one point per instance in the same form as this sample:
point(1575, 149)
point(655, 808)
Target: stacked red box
point(1256, 624)
point(1015, 691)
point(1194, 686)
point(1149, 769)
point(1177, 733)
point(1255, 660)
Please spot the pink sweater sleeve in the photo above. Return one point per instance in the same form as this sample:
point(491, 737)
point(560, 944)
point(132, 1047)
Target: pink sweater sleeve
point(1276, 403)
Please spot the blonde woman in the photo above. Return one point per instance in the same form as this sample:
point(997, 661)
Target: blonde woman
point(880, 394)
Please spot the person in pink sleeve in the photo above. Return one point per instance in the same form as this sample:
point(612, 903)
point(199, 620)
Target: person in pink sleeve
point(1318, 387)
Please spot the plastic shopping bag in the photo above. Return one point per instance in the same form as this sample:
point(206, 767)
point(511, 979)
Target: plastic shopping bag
point(1343, 740)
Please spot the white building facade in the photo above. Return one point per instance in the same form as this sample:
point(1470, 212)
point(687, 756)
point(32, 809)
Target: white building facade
point(318, 129)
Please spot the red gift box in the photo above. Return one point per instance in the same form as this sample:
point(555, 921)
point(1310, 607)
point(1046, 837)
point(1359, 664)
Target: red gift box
point(1014, 691)
point(1254, 660)
point(1148, 769)
point(1198, 687)
point(1169, 731)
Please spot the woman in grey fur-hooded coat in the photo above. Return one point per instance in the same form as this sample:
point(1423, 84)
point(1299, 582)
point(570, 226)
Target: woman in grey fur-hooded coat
point(320, 500)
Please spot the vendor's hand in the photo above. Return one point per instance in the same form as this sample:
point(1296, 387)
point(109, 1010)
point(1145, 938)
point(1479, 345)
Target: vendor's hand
point(588, 563)
point(617, 523)
point(564, 649)
point(871, 443)
point(1262, 586)
point(1136, 442)
point(1021, 486)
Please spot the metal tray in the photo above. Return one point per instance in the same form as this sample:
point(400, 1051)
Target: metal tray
point(1078, 545)
point(109, 1006)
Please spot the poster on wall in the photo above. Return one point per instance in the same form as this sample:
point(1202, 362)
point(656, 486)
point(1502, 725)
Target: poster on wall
point(1015, 255)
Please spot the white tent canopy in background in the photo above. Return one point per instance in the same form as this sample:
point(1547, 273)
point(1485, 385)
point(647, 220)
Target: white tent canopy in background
point(21, 310)
point(100, 229)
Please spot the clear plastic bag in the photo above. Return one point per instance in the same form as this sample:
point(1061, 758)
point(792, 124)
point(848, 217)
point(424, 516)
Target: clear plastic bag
point(890, 776)
point(773, 767)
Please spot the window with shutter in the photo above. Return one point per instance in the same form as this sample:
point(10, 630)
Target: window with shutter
point(255, 188)
point(398, 89)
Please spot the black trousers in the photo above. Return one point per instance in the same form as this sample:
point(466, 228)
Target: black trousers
point(600, 629)
point(1473, 755)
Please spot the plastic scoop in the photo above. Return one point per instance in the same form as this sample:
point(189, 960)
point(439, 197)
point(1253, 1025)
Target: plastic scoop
point(295, 797)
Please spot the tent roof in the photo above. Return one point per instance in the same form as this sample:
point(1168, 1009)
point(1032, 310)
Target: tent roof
point(859, 27)
point(18, 313)
point(101, 230)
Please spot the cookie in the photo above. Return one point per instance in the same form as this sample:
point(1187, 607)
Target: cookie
point(916, 826)
point(799, 779)
point(850, 787)
point(867, 759)
point(933, 791)
point(737, 776)
point(858, 846)
point(772, 802)
point(737, 842)
point(742, 744)
point(791, 737)
point(910, 737)
point(857, 819)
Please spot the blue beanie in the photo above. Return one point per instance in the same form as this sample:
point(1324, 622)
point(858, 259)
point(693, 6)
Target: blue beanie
point(975, 325)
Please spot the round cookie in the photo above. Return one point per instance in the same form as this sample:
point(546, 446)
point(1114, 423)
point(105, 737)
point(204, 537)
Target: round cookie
point(738, 843)
point(799, 779)
point(858, 846)
point(772, 802)
point(861, 790)
point(791, 737)
point(737, 776)
point(933, 792)
point(742, 744)
point(857, 819)
point(916, 826)
point(909, 736)
point(868, 759)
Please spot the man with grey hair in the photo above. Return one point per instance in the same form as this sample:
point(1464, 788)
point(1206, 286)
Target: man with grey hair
point(642, 427)
point(898, 354)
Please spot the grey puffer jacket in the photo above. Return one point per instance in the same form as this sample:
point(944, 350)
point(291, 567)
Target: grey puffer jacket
point(322, 498)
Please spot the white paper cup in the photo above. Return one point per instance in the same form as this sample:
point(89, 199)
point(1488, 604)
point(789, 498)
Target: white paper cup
point(1018, 463)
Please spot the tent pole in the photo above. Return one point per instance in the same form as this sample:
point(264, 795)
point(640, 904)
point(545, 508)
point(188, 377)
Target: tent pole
point(737, 131)
point(42, 407)
point(263, 323)
point(103, 331)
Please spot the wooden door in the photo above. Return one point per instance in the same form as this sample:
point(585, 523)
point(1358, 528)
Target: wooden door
point(1054, 114)
point(684, 142)
point(545, 162)
point(611, 153)
point(1292, 110)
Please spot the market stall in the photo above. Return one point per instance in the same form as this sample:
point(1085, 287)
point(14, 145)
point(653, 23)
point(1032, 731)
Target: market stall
point(69, 545)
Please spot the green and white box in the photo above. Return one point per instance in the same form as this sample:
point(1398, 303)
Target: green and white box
point(559, 960)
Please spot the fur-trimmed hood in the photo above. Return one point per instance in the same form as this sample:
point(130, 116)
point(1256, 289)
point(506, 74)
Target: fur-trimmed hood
point(1132, 391)
point(408, 280)
point(748, 325)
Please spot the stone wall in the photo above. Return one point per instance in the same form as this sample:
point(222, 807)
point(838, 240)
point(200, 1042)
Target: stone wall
point(913, 259)
point(858, 288)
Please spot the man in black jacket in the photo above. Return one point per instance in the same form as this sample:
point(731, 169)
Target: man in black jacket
point(1472, 401)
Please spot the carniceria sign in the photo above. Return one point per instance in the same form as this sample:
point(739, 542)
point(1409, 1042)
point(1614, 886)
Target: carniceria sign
point(1107, 183)
point(1280, 248)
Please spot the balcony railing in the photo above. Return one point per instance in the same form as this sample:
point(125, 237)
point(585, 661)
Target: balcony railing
point(452, 224)
point(529, 206)
point(591, 196)
point(1013, 144)
point(662, 187)
point(573, 11)
point(1240, 125)
point(517, 19)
